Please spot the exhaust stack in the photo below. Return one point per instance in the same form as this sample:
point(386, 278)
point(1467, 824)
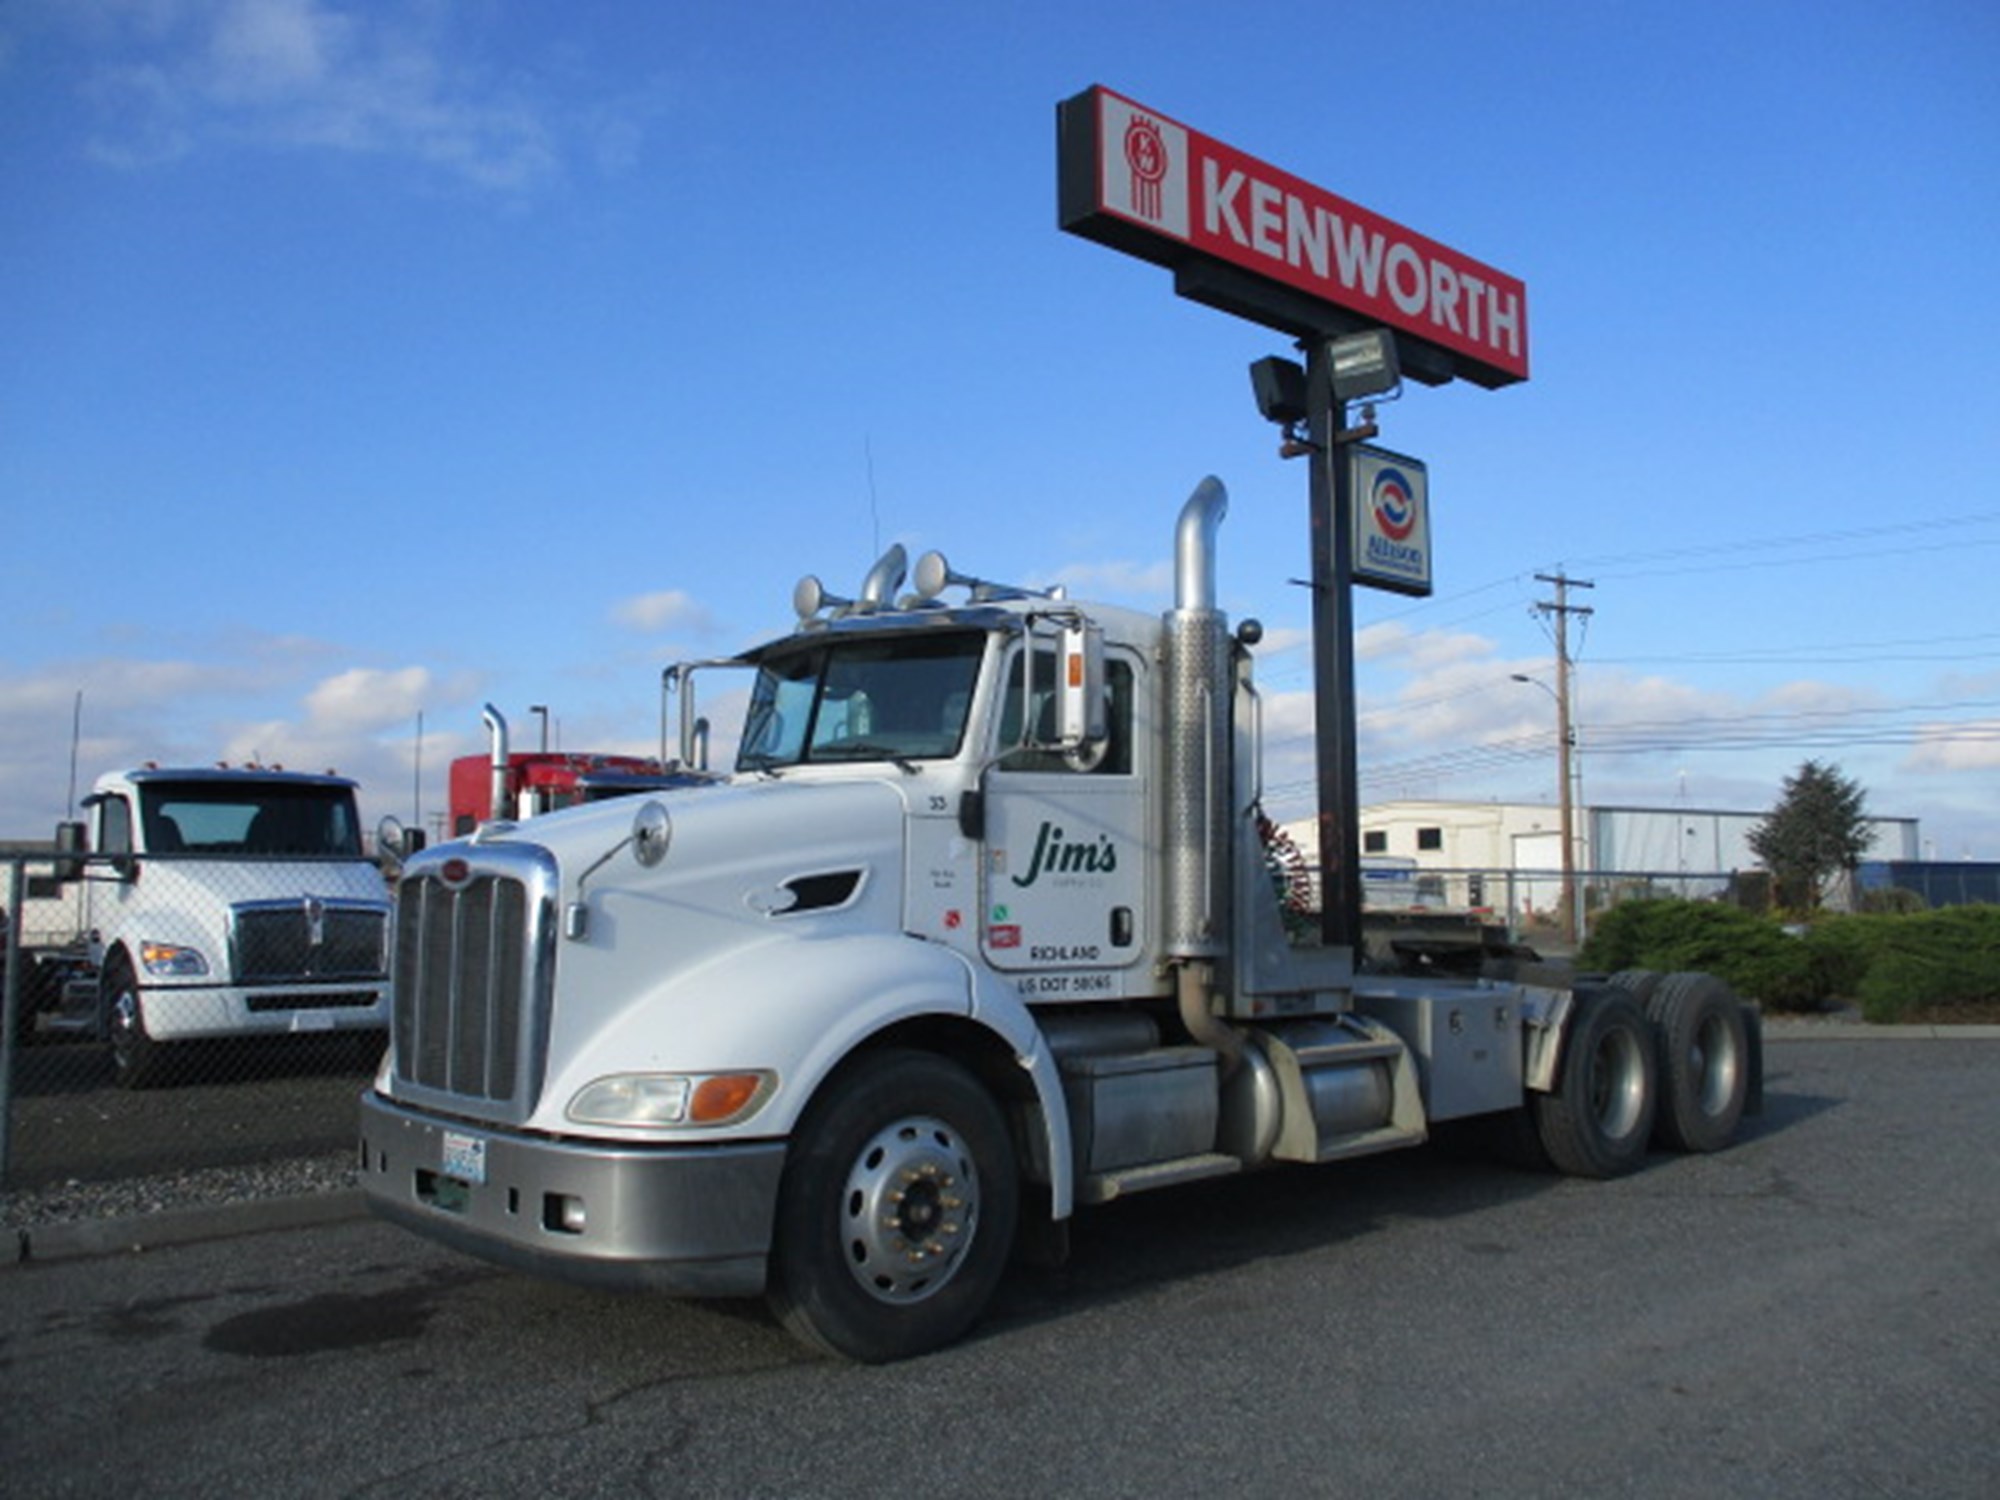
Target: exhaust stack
point(496, 731)
point(1198, 737)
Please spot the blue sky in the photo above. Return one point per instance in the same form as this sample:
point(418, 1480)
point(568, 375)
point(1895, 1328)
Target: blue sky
point(364, 361)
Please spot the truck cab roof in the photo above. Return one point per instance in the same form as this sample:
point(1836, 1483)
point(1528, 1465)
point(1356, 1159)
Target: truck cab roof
point(111, 780)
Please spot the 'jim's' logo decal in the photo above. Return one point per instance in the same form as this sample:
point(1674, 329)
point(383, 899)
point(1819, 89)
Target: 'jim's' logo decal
point(1055, 855)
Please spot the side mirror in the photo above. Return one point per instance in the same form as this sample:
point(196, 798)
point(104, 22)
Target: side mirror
point(1080, 718)
point(72, 845)
point(396, 841)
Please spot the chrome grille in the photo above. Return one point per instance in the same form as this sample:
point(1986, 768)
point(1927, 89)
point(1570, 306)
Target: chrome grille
point(463, 985)
point(272, 942)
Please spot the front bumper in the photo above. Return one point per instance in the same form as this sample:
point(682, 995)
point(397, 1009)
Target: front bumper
point(188, 1012)
point(688, 1220)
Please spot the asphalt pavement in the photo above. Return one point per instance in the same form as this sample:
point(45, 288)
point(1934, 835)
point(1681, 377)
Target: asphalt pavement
point(180, 1226)
point(1813, 1312)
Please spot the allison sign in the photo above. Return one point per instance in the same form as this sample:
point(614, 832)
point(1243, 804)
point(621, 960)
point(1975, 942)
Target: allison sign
point(1135, 180)
point(1392, 525)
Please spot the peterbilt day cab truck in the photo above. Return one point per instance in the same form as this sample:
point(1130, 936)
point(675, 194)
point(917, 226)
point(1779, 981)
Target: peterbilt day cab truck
point(224, 902)
point(980, 930)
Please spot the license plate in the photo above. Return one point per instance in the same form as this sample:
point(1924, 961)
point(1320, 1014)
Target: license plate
point(312, 1020)
point(464, 1157)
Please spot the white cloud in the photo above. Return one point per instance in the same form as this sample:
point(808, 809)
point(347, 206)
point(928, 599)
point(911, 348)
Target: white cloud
point(1424, 650)
point(265, 701)
point(172, 78)
point(1283, 639)
point(667, 609)
point(363, 700)
point(266, 49)
point(1972, 746)
point(1117, 580)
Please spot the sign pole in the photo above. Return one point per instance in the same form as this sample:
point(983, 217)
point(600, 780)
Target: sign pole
point(1256, 242)
point(1331, 497)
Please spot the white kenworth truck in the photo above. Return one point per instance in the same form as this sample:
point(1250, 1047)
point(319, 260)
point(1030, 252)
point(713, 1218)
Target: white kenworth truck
point(980, 930)
point(223, 902)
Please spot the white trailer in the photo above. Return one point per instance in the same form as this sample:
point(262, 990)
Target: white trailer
point(980, 931)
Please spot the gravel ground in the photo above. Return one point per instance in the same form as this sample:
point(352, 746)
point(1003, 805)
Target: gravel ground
point(201, 1187)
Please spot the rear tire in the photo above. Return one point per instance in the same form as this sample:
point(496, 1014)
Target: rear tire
point(897, 1209)
point(1599, 1119)
point(1705, 1062)
point(1640, 984)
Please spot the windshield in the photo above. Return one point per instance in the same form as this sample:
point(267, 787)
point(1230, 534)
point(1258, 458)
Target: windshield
point(193, 818)
point(897, 698)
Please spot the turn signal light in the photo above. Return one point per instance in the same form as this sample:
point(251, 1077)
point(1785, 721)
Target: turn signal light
point(720, 1098)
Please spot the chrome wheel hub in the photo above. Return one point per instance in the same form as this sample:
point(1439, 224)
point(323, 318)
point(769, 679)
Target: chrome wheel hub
point(909, 1210)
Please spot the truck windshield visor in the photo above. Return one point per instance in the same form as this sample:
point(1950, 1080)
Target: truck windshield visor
point(873, 698)
point(289, 822)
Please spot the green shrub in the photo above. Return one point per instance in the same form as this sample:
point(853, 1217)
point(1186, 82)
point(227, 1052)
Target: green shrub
point(1935, 961)
point(1754, 954)
point(1893, 899)
point(1842, 949)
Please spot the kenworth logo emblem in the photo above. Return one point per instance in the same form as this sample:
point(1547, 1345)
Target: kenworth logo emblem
point(1146, 155)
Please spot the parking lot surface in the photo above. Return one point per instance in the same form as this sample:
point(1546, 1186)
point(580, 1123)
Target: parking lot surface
point(1814, 1312)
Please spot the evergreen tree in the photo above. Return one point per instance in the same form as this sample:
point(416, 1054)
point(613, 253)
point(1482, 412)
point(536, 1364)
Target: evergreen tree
point(1817, 830)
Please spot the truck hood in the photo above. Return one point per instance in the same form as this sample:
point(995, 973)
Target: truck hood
point(747, 864)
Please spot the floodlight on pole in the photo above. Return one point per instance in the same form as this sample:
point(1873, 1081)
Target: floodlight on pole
point(1364, 364)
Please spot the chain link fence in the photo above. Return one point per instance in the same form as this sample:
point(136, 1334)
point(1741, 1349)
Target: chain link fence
point(1530, 903)
point(180, 1014)
point(174, 1015)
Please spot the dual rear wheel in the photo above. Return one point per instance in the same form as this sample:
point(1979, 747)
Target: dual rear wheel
point(1650, 1059)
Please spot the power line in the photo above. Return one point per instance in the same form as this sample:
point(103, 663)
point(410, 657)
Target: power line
point(1763, 564)
point(1677, 737)
point(1763, 546)
point(1797, 539)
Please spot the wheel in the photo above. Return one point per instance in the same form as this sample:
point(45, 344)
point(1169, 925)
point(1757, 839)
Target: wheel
point(137, 1061)
point(1705, 1064)
point(1640, 984)
point(896, 1212)
point(1599, 1119)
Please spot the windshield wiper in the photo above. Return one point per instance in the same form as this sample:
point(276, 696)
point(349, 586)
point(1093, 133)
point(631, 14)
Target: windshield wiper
point(868, 750)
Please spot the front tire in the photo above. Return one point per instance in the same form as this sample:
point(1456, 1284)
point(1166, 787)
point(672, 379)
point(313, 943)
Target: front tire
point(137, 1061)
point(896, 1213)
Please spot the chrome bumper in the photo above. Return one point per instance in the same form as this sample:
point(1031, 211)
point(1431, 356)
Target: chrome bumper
point(688, 1220)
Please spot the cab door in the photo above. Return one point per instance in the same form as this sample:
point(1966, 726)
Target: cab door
point(1064, 885)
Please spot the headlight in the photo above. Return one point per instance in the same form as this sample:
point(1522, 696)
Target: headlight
point(171, 960)
point(666, 1100)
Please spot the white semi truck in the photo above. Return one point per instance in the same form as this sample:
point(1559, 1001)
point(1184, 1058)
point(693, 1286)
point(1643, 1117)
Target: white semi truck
point(980, 930)
point(221, 902)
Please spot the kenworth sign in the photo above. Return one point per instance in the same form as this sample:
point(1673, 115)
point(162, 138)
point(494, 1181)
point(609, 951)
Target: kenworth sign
point(1139, 182)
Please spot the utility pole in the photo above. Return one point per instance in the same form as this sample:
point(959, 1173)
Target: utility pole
point(1562, 609)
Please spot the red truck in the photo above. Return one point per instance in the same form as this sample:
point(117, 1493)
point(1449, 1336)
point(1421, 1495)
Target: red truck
point(516, 784)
